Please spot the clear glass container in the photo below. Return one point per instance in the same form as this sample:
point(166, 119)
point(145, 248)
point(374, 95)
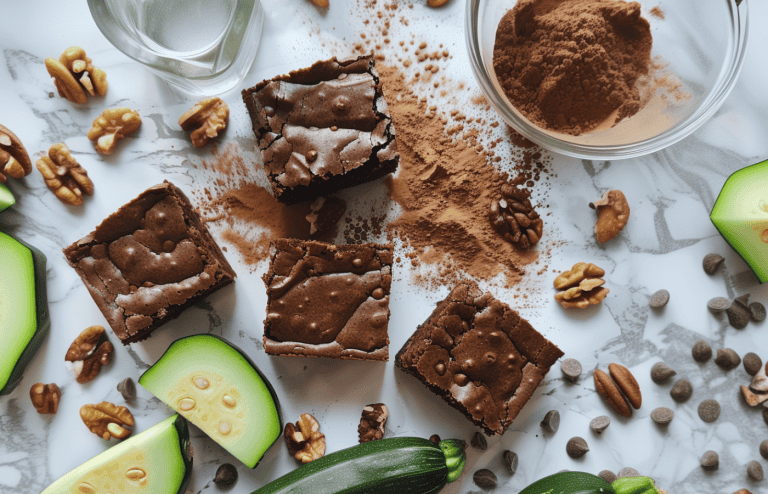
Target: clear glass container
point(701, 43)
point(204, 47)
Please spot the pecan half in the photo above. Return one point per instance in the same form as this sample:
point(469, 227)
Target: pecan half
point(514, 217)
point(627, 383)
point(107, 420)
point(14, 159)
point(610, 392)
point(45, 397)
point(372, 422)
point(74, 75)
point(111, 126)
point(64, 175)
point(206, 119)
point(304, 440)
point(89, 352)
point(581, 286)
point(613, 214)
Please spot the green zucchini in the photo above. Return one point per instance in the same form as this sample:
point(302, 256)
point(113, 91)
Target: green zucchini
point(399, 465)
point(586, 483)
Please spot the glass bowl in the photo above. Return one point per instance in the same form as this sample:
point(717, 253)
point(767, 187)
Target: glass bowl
point(699, 44)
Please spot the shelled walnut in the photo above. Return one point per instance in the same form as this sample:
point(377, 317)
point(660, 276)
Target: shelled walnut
point(89, 352)
point(581, 286)
point(107, 420)
point(45, 397)
point(64, 175)
point(74, 75)
point(613, 214)
point(14, 159)
point(206, 119)
point(514, 217)
point(372, 422)
point(304, 440)
point(111, 126)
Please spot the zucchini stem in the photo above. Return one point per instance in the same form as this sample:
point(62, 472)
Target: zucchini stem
point(453, 449)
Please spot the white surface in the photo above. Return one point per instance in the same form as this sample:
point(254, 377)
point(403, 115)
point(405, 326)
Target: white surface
point(668, 234)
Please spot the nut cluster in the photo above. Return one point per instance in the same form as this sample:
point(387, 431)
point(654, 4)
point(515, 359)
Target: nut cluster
point(619, 392)
point(74, 75)
point(581, 286)
point(111, 126)
point(206, 119)
point(372, 422)
point(45, 397)
point(14, 159)
point(514, 217)
point(64, 175)
point(89, 352)
point(304, 439)
point(107, 420)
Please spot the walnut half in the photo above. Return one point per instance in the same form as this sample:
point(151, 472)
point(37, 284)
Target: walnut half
point(45, 397)
point(305, 441)
point(74, 75)
point(111, 126)
point(89, 352)
point(206, 119)
point(107, 420)
point(372, 422)
point(613, 214)
point(14, 159)
point(64, 175)
point(581, 286)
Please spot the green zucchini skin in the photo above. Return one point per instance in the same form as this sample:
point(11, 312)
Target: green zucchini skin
point(570, 483)
point(399, 465)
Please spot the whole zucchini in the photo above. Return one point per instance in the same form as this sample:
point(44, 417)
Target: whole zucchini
point(586, 483)
point(399, 465)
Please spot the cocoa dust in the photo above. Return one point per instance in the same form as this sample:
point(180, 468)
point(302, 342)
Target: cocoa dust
point(571, 65)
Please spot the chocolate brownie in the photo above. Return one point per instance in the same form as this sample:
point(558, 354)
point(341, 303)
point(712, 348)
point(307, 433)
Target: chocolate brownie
point(327, 300)
point(323, 128)
point(149, 261)
point(480, 356)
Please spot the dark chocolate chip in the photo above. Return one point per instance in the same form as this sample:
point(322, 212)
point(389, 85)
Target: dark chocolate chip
point(628, 472)
point(551, 421)
point(712, 262)
point(509, 459)
point(755, 470)
point(225, 475)
point(710, 460)
point(659, 299)
point(608, 476)
point(681, 391)
point(127, 388)
point(742, 301)
point(485, 479)
point(571, 369)
point(756, 312)
point(661, 372)
point(662, 415)
point(435, 438)
point(576, 447)
point(727, 359)
point(764, 449)
point(599, 424)
point(738, 315)
point(718, 304)
point(701, 351)
point(709, 410)
point(752, 363)
point(478, 441)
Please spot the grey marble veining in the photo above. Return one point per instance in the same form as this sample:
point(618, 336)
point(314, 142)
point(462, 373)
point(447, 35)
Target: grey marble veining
point(671, 193)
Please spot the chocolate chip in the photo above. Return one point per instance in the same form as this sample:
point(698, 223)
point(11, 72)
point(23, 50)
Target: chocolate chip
point(752, 363)
point(478, 441)
point(738, 315)
point(742, 301)
point(551, 421)
point(628, 472)
point(701, 351)
point(764, 449)
point(576, 447)
point(709, 410)
point(661, 372)
point(756, 312)
point(727, 359)
point(127, 388)
point(225, 475)
point(571, 369)
point(718, 304)
point(659, 299)
point(599, 424)
point(509, 459)
point(485, 479)
point(712, 262)
point(608, 476)
point(710, 460)
point(662, 415)
point(681, 391)
point(435, 438)
point(755, 470)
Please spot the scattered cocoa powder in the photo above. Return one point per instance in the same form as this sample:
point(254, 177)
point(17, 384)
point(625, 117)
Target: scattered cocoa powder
point(570, 65)
point(657, 12)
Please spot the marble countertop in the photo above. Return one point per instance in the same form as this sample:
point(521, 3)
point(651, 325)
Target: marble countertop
point(669, 232)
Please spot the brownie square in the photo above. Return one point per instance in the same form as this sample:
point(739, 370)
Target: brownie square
point(327, 300)
point(480, 356)
point(323, 128)
point(149, 261)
